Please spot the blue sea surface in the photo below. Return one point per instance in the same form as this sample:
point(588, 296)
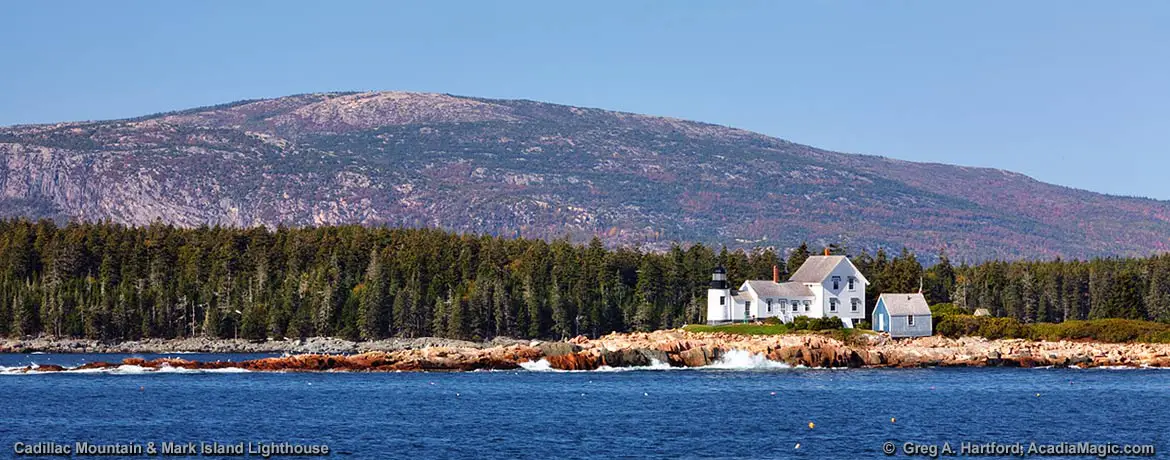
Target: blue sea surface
point(676, 413)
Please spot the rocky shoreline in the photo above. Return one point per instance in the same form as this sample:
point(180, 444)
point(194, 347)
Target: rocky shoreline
point(675, 348)
point(313, 345)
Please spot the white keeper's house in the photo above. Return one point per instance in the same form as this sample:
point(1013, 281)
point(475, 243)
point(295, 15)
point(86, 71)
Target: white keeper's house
point(824, 286)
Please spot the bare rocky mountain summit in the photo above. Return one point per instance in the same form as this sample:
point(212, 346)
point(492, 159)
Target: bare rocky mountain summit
point(524, 168)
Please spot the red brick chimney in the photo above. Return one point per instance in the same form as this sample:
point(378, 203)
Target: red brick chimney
point(775, 274)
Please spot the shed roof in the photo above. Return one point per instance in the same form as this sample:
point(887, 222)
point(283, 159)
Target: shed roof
point(768, 288)
point(905, 304)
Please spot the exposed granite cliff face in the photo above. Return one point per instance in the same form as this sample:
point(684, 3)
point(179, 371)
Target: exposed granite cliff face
point(683, 349)
point(513, 167)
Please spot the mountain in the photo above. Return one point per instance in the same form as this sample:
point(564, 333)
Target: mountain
point(517, 167)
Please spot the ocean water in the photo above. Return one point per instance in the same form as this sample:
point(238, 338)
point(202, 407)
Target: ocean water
point(746, 407)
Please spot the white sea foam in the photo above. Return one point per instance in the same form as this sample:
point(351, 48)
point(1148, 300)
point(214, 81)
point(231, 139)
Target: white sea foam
point(125, 369)
point(1116, 368)
point(4, 370)
point(543, 366)
point(655, 365)
point(731, 360)
point(1105, 368)
point(537, 366)
point(744, 360)
point(181, 370)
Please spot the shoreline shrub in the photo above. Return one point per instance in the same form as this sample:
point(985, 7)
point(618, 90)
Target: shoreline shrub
point(1099, 330)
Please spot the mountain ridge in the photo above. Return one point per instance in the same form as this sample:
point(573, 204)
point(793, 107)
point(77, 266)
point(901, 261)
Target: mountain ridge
point(528, 168)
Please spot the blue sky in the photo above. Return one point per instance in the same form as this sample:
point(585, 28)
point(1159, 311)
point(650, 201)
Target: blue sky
point(1071, 92)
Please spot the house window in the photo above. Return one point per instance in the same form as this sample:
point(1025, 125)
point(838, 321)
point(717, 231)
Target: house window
point(832, 304)
point(769, 305)
point(722, 300)
point(807, 303)
point(747, 308)
point(850, 283)
point(910, 320)
point(795, 304)
point(855, 304)
point(836, 283)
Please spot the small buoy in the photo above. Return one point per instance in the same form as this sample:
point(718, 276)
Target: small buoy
point(893, 420)
point(141, 388)
point(456, 394)
point(797, 446)
point(1037, 395)
point(811, 425)
point(773, 393)
point(582, 394)
point(432, 383)
point(645, 394)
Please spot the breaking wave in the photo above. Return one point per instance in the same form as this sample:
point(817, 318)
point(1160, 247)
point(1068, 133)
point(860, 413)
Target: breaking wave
point(1117, 368)
point(536, 366)
point(124, 369)
point(737, 360)
point(655, 365)
point(744, 360)
point(543, 366)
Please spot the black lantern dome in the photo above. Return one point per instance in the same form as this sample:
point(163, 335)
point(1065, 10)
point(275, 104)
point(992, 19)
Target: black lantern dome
point(719, 278)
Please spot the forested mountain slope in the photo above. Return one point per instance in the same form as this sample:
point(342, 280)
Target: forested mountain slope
point(523, 168)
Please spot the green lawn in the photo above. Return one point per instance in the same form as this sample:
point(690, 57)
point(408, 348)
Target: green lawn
point(744, 329)
point(776, 329)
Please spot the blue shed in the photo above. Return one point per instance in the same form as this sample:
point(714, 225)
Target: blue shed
point(902, 315)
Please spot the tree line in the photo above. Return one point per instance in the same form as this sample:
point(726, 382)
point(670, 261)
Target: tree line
point(114, 282)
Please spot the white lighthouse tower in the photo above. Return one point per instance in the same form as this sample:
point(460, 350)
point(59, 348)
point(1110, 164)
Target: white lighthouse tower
point(719, 301)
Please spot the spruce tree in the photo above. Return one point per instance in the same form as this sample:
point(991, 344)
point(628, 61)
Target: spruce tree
point(456, 314)
point(371, 311)
point(211, 322)
point(648, 292)
point(797, 257)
